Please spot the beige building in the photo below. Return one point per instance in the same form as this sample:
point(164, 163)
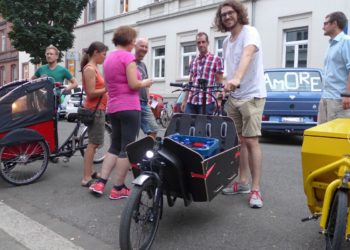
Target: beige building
point(291, 32)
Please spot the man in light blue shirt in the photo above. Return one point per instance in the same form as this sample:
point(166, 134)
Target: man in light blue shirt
point(337, 70)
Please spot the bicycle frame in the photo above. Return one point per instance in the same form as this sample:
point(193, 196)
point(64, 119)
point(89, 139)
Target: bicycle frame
point(342, 168)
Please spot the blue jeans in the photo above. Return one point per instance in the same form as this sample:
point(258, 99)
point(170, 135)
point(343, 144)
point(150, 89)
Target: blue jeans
point(197, 109)
point(148, 121)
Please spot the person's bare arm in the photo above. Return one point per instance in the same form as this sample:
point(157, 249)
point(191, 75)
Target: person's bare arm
point(89, 75)
point(131, 74)
point(72, 84)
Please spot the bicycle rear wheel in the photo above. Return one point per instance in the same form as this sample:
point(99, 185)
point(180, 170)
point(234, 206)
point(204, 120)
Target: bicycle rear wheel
point(336, 225)
point(140, 218)
point(102, 149)
point(23, 163)
point(164, 118)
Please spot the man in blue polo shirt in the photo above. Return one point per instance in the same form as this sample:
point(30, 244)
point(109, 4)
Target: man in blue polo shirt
point(336, 70)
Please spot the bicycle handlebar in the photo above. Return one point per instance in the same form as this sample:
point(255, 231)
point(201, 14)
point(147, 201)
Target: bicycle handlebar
point(187, 86)
point(179, 85)
point(345, 94)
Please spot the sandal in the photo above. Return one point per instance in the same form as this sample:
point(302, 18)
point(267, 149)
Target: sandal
point(89, 183)
point(95, 175)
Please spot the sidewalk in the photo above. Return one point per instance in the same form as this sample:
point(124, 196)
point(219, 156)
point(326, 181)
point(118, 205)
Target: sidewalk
point(18, 231)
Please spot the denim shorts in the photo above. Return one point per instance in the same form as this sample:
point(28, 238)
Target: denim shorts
point(148, 121)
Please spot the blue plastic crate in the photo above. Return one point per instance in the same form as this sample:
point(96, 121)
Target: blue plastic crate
point(203, 145)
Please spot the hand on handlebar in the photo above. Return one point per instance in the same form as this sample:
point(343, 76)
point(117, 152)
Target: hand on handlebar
point(231, 85)
point(66, 91)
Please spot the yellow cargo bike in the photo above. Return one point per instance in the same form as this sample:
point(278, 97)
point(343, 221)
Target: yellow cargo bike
point(326, 175)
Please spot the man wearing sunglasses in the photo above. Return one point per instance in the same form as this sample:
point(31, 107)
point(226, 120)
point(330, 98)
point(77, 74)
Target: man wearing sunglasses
point(336, 69)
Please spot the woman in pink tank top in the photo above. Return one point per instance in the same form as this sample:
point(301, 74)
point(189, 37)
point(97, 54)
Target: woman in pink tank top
point(123, 83)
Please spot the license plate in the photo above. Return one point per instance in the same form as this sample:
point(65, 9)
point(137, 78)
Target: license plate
point(154, 104)
point(292, 119)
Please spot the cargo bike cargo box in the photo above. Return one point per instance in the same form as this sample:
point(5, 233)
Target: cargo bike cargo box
point(190, 174)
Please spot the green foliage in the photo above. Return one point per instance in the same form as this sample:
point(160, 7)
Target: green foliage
point(37, 24)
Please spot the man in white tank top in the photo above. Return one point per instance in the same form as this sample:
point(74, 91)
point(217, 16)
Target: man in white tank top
point(246, 84)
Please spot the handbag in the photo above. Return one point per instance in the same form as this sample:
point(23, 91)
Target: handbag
point(87, 116)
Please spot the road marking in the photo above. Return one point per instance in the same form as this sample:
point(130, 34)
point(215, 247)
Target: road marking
point(30, 233)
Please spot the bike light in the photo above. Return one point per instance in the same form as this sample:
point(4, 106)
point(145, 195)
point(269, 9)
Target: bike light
point(149, 154)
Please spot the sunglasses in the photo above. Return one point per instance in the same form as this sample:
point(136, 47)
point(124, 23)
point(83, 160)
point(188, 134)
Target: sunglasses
point(325, 23)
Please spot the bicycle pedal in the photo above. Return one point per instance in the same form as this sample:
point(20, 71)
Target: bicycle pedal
point(312, 217)
point(65, 159)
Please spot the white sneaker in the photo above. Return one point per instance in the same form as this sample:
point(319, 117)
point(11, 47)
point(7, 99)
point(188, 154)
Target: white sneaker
point(255, 199)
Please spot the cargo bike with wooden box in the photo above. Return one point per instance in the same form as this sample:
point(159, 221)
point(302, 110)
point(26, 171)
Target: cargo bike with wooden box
point(196, 159)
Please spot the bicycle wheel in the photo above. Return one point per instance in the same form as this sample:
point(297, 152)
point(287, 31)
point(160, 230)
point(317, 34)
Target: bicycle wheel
point(140, 218)
point(164, 118)
point(23, 163)
point(102, 149)
point(336, 225)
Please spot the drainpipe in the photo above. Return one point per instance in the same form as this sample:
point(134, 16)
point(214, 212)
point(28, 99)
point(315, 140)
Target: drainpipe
point(103, 22)
point(253, 11)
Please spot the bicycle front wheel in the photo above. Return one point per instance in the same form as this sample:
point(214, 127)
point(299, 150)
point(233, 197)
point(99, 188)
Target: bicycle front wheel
point(23, 163)
point(102, 149)
point(140, 218)
point(336, 225)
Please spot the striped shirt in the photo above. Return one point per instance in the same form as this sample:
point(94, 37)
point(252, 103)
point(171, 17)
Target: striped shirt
point(205, 67)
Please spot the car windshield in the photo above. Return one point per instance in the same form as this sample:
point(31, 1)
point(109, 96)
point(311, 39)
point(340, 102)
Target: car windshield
point(293, 81)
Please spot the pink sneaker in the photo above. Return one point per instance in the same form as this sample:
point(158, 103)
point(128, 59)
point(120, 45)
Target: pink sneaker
point(119, 194)
point(97, 187)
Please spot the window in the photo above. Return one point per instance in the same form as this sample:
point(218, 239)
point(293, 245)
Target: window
point(32, 103)
point(13, 72)
point(158, 62)
point(3, 41)
point(219, 46)
point(124, 6)
point(295, 48)
point(25, 71)
point(292, 81)
point(2, 75)
point(188, 53)
point(91, 10)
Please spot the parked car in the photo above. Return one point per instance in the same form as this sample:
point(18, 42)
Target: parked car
point(73, 103)
point(293, 96)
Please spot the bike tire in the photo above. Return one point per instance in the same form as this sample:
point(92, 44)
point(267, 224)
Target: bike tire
point(141, 215)
point(23, 163)
point(164, 118)
point(102, 149)
point(336, 225)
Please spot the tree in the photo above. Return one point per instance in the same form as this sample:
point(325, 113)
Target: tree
point(37, 24)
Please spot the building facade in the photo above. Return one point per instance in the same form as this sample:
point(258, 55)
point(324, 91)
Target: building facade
point(291, 32)
point(8, 55)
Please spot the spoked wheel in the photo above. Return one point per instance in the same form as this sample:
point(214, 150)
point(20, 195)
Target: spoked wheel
point(23, 163)
point(102, 149)
point(140, 218)
point(336, 225)
point(164, 118)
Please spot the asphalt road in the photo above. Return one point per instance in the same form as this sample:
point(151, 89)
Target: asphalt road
point(69, 217)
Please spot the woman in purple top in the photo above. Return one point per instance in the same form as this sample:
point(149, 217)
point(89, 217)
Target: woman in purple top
point(123, 82)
